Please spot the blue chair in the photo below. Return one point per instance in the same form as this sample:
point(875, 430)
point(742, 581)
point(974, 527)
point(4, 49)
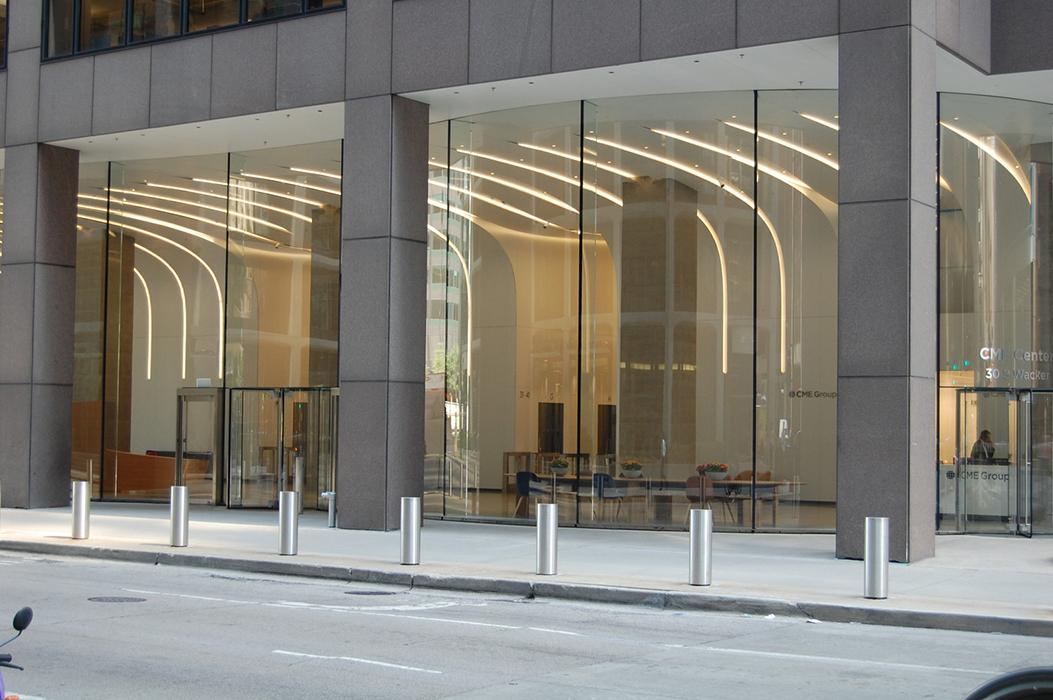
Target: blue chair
point(526, 490)
point(604, 491)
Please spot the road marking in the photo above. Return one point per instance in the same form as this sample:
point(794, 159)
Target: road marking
point(836, 659)
point(552, 631)
point(355, 659)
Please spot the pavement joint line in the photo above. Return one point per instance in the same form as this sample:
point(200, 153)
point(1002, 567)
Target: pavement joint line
point(593, 593)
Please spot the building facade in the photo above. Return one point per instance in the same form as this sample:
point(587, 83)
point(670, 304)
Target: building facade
point(784, 258)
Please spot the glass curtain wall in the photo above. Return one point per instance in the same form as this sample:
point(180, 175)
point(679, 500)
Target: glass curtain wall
point(283, 307)
point(196, 274)
point(996, 277)
point(661, 336)
point(88, 330)
point(507, 186)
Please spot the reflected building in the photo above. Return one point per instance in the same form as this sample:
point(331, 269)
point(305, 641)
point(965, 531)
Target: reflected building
point(790, 262)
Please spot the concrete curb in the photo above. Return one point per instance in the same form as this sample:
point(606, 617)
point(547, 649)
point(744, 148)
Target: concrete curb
point(676, 600)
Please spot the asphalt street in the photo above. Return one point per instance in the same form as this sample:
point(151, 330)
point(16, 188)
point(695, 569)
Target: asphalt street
point(121, 630)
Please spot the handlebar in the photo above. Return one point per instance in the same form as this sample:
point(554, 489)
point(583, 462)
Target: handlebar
point(5, 664)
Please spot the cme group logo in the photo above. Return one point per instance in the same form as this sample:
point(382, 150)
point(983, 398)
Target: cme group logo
point(810, 394)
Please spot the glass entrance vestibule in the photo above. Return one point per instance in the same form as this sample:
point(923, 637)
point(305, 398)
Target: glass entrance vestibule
point(1003, 468)
point(200, 278)
point(995, 373)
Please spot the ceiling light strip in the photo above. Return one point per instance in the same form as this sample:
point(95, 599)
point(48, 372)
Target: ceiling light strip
point(269, 207)
point(199, 205)
point(574, 157)
point(511, 184)
point(290, 183)
point(1011, 166)
point(495, 202)
point(820, 120)
point(803, 150)
point(260, 190)
point(745, 199)
point(611, 197)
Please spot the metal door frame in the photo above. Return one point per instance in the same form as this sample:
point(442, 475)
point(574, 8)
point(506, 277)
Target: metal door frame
point(184, 396)
point(1021, 517)
point(280, 393)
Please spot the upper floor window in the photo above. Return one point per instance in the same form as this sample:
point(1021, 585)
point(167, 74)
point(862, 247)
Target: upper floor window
point(83, 26)
point(3, 33)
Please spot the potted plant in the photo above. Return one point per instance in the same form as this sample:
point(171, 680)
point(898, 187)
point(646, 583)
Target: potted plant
point(714, 470)
point(632, 469)
point(559, 466)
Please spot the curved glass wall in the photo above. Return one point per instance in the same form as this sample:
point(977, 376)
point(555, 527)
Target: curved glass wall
point(632, 310)
point(996, 337)
point(201, 274)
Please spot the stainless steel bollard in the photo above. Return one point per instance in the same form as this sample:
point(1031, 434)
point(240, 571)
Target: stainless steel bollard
point(547, 529)
point(81, 509)
point(288, 522)
point(410, 530)
point(179, 513)
point(700, 559)
point(875, 558)
point(331, 497)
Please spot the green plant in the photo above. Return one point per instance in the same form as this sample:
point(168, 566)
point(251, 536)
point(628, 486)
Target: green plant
point(712, 468)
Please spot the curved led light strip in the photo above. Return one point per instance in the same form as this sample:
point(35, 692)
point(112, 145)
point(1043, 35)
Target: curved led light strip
point(254, 188)
point(745, 199)
point(814, 155)
point(570, 156)
point(511, 184)
point(495, 202)
point(319, 173)
point(723, 285)
point(1011, 166)
point(208, 269)
point(468, 290)
point(819, 120)
point(199, 205)
point(149, 324)
point(176, 227)
point(610, 196)
point(182, 295)
point(794, 182)
point(148, 219)
point(290, 183)
point(287, 212)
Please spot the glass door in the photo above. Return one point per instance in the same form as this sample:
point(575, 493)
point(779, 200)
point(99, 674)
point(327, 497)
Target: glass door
point(985, 481)
point(199, 443)
point(282, 440)
point(255, 447)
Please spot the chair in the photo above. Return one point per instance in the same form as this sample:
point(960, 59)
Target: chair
point(525, 490)
point(604, 490)
point(699, 489)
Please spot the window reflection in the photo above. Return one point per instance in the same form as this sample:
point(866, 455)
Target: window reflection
point(101, 24)
point(211, 14)
point(267, 9)
point(154, 19)
point(59, 28)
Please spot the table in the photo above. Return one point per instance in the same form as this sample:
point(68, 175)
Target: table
point(654, 488)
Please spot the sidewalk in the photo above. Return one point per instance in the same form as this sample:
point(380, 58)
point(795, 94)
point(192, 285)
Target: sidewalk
point(996, 584)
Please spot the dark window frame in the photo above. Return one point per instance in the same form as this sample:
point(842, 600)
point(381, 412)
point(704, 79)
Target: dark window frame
point(126, 30)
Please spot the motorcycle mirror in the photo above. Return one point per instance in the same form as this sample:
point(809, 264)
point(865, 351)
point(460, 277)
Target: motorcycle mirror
point(22, 619)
